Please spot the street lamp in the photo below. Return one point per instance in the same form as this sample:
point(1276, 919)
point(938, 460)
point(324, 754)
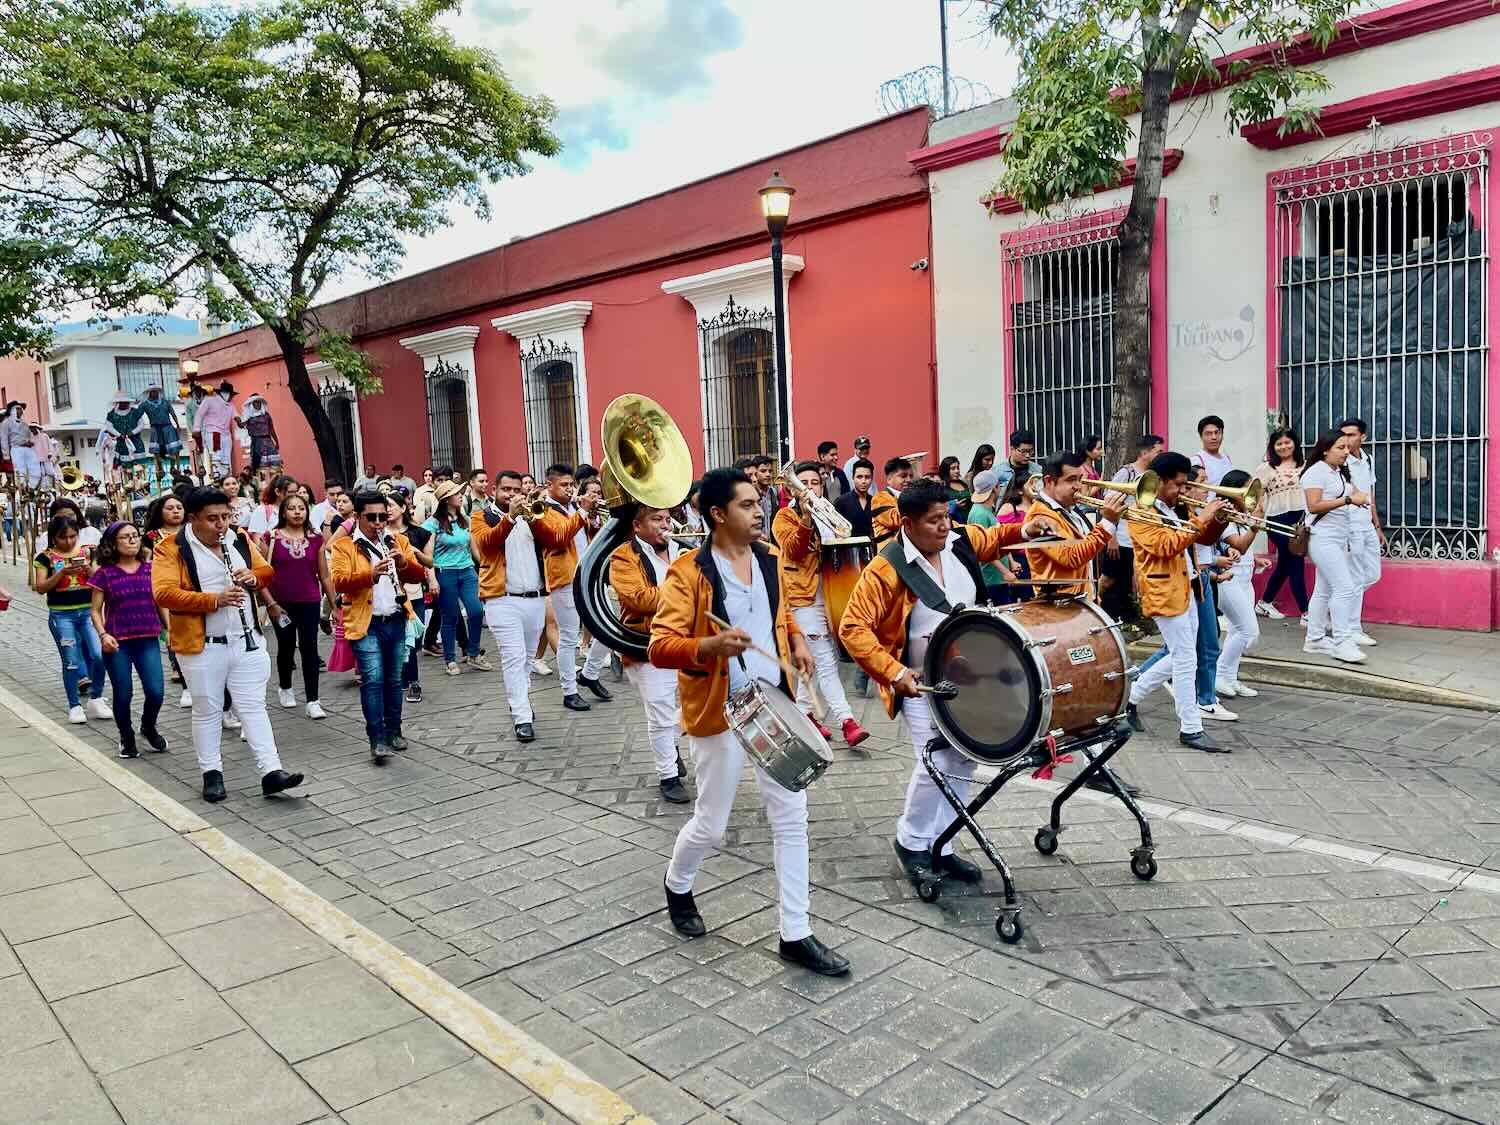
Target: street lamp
point(190, 367)
point(776, 205)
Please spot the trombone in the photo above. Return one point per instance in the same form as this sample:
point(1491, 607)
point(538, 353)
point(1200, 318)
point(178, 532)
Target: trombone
point(1243, 500)
point(1142, 492)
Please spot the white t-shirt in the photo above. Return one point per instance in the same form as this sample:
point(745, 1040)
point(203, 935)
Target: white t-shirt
point(1324, 476)
point(1215, 465)
point(89, 535)
point(749, 608)
point(1122, 529)
point(1362, 473)
point(264, 519)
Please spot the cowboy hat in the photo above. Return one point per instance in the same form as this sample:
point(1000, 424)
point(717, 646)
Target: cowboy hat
point(121, 397)
point(226, 385)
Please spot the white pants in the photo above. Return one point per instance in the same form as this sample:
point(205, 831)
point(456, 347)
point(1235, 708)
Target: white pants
point(27, 464)
point(927, 812)
point(246, 675)
point(717, 762)
point(568, 627)
point(516, 624)
point(658, 690)
point(1180, 635)
point(1331, 610)
point(813, 621)
point(1237, 603)
point(1364, 561)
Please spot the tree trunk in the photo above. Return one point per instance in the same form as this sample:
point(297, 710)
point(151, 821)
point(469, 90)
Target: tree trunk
point(306, 396)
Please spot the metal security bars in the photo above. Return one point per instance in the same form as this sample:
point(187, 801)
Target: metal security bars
point(1383, 270)
point(339, 405)
point(1059, 328)
point(134, 376)
point(550, 386)
point(739, 385)
point(448, 416)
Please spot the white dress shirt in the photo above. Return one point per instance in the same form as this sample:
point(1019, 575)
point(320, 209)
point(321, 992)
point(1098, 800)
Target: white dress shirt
point(213, 578)
point(1362, 474)
point(956, 584)
point(383, 593)
point(749, 608)
point(523, 573)
point(658, 567)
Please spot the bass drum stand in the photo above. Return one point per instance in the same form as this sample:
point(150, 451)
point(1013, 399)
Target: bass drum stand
point(1111, 739)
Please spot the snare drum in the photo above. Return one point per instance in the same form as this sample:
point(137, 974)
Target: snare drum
point(1024, 672)
point(779, 738)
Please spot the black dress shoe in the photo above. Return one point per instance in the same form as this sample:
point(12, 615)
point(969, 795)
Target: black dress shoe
point(525, 733)
point(1133, 718)
point(154, 740)
point(1201, 741)
point(396, 742)
point(599, 690)
point(672, 790)
point(810, 953)
point(277, 780)
point(575, 703)
point(955, 866)
point(684, 913)
point(681, 766)
point(1099, 785)
point(380, 753)
point(213, 787)
point(916, 864)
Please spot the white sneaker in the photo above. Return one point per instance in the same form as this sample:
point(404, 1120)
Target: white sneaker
point(98, 709)
point(1302, 621)
point(1224, 687)
point(1217, 711)
point(1365, 640)
point(315, 710)
point(1348, 652)
point(1266, 609)
point(286, 697)
point(453, 669)
point(185, 700)
point(76, 715)
point(1320, 647)
point(1247, 692)
point(541, 668)
point(232, 721)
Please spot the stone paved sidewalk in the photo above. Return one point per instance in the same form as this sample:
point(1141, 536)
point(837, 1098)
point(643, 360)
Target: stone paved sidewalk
point(140, 981)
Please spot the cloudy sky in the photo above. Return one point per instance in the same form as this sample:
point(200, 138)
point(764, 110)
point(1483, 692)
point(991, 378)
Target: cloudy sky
point(654, 93)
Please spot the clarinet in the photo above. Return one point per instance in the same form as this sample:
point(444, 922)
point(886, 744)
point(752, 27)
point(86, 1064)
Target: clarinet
point(386, 547)
point(224, 543)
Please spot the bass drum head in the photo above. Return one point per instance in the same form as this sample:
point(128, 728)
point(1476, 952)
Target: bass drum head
point(997, 711)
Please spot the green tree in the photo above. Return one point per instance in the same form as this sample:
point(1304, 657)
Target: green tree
point(1087, 66)
point(153, 151)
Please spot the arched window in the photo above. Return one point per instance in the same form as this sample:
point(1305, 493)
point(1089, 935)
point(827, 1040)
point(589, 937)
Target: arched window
point(552, 417)
point(448, 416)
point(341, 413)
point(739, 385)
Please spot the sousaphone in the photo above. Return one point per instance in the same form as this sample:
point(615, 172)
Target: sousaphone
point(646, 463)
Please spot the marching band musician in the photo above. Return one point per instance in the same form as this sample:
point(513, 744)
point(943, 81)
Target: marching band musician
point(566, 524)
point(735, 579)
point(513, 587)
point(1062, 483)
point(928, 570)
point(368, 568)
point(800, 541)
point(636, 571)
point(885, 517)
point(1168, 580)
point(200, 577)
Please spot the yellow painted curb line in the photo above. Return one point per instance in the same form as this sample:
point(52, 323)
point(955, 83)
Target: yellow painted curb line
point(537, 1067)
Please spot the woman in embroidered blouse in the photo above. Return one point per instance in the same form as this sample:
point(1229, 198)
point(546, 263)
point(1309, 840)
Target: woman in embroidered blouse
point(1281, 476)
point(129, 623)
point(302, 578)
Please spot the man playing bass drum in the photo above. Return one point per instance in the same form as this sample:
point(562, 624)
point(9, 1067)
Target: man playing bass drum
point(929, 570)
point(734, 578)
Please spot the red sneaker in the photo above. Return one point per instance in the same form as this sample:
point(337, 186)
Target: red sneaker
point(854, 734)
point(824, 731)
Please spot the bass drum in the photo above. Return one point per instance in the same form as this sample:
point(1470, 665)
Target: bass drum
point(1024, 672)
point(840, 566)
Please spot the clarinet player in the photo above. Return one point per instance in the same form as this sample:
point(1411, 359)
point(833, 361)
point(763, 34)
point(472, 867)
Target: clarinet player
point(205, 577)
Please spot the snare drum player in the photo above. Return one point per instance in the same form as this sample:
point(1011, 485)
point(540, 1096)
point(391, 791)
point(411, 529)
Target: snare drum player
point(800, 542)
point(636, 571)
point(926, 572)
point(1169, 585)
point(734, 578)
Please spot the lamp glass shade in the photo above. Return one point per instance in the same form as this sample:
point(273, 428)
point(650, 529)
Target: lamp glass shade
point(190, 367)
point(776, 198)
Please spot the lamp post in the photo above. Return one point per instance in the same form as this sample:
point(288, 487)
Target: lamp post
point(776, 205)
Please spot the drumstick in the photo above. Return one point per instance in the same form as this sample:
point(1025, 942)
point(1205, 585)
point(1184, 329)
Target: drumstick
point(791, 673)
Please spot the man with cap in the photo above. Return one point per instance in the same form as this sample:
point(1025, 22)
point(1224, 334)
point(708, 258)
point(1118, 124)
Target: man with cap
point(213, 423)
point(861, 453)
point(997, 576)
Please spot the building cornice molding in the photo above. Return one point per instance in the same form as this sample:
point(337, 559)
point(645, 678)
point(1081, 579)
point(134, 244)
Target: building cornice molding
point(564, 317)
point(959, 150)
point(429, 345)
point(699, 288)
point(1010, 205)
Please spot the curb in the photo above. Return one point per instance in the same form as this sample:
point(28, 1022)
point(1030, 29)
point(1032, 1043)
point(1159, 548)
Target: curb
point(1321, 677)
point(541, 1070)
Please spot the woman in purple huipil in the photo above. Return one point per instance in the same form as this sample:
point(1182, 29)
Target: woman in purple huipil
point(296, 552)
point(129, 625)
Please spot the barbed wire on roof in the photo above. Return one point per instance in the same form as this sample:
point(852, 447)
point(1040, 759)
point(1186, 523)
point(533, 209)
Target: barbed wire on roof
point(924, 86)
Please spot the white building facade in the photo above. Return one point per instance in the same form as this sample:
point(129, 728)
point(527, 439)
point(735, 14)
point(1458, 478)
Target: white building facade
point(1305, 278)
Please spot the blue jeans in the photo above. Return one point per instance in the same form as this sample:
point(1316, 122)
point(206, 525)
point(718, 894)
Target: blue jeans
point(378, 654)
point(73, 630)
point(412, 674)
point(144, 655)
point(1208, 648)
point(455, 588)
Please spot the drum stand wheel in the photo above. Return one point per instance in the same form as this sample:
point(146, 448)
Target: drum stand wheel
point(1143, 864)
point(1045, 841)
point(1009, 927)
point(930, 890)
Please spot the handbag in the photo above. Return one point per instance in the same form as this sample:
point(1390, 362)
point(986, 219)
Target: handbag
point(1296, 542)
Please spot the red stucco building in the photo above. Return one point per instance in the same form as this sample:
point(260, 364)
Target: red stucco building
point(509, 357)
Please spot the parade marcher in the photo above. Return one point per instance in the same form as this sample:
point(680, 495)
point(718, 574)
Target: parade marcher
point(369, 568)
point(1171, 587)
point(213, 424)
point(201, 576)
point(565, 521)
point(165, 436)
point(916, 580)
point(734, 578)
point(1054, 506)
point(458, 580)
point(1366, 538)
point(15, 443)
point(301, 580)
point(885, 516)
point(1117, 589)
point(129, 626)
point(799, 540)
point(61, 572)
point(1331, 497)
point(1236, 597)
point(637, 570)
point(265, 515)
point(417, 592)
point(124, 420)
point(1280, 475)
point(999, 579)
point(265, 446)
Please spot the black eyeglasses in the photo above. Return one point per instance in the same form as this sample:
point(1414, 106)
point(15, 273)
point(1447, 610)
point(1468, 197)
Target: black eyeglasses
point(373, 517)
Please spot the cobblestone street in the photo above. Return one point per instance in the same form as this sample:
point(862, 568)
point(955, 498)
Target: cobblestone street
point(1262, 976)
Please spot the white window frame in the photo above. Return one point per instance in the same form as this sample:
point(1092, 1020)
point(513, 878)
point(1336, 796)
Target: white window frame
point(67, 380)
point(329, 384)
point(454, 346)
point(563, 325)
